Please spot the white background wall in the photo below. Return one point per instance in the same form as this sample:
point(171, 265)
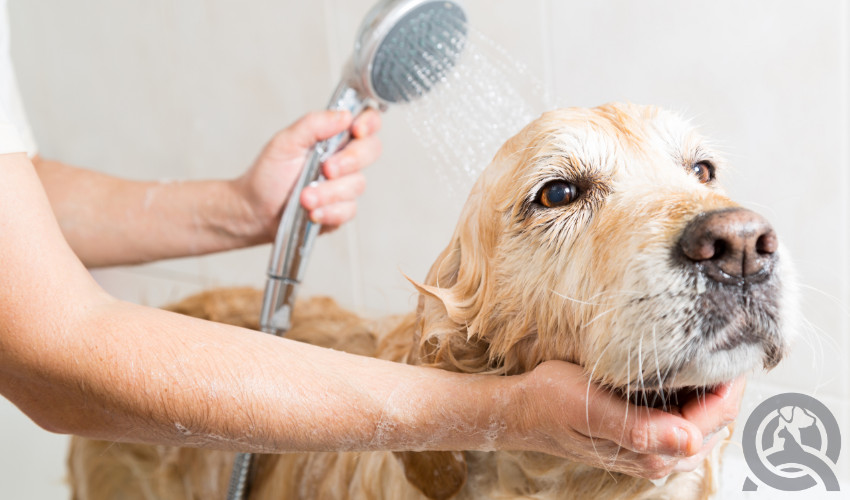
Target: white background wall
point(192, 89)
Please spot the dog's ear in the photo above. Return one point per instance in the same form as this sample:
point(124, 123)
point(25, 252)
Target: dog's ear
point(471, 315)
point(453, 295)
point(439, 475)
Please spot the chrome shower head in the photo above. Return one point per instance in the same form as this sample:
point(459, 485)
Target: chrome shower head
point(404, 47)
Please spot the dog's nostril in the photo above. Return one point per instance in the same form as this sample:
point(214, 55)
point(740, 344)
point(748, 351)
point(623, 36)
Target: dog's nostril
point(767, 243)
point(730, 244)
point(719, 249)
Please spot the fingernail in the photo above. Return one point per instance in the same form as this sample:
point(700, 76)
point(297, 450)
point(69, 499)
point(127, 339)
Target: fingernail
point(682, 440)
point(316, 216)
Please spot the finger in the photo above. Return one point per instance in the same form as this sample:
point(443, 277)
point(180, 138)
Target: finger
point(356, 155)
point(640, 429)
point(655, 467)
point(314, 127)
point(367, 123)
point(715, 409)
point(333, 216)
point(321, 194)
point(690, 463)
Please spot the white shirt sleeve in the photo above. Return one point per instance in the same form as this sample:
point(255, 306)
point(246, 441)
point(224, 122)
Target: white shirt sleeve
point(15, 133)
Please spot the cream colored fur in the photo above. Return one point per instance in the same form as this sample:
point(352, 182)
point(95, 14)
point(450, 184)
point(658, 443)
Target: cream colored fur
point(591, 283)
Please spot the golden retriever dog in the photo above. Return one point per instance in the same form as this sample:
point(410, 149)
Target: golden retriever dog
point(597, 236)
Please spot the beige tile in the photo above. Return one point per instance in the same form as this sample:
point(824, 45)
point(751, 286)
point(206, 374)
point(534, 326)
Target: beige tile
point(167, 90)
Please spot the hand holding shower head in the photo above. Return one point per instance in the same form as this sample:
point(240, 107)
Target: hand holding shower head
point(403, 48)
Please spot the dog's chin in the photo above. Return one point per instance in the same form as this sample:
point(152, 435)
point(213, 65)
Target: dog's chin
point(672, 399)
point(705, 374)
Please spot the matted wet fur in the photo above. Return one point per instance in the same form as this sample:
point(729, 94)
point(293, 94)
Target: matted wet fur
point(598, 280)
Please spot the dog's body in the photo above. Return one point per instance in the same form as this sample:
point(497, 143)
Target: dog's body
point(596, 236)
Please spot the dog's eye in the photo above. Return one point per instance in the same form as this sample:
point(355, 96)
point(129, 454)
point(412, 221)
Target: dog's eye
point(557, 194)
point(704, 171)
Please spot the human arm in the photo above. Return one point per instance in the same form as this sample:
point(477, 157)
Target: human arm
point(77, 361)
point(112, 221)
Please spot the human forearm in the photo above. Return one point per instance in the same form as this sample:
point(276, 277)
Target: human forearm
point(78, 361)
point(158, 377)
point(110, 221)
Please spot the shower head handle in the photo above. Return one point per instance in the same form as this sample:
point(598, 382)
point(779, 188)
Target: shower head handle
point(403, 47)
point(296, 231)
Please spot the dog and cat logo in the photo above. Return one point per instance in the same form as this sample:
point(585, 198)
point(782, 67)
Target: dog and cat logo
point(791, 442)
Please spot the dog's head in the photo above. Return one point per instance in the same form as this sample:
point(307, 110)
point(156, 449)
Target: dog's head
point(603, 237)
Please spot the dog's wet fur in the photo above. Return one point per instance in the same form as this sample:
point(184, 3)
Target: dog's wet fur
point(597, 236)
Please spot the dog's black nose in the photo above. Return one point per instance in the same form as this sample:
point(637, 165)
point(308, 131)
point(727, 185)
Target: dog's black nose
point(730, 245)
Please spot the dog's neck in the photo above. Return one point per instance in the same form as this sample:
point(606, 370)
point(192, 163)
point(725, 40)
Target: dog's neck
point(473, 474)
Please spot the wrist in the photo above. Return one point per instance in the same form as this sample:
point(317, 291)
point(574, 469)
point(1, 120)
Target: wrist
point(510, 407)
point(489, 410)
point(246, 220)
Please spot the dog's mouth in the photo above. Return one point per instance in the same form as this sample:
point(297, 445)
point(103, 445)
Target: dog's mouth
point(671, 399)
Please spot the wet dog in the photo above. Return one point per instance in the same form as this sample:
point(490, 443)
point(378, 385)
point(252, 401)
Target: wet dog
point(597, 236)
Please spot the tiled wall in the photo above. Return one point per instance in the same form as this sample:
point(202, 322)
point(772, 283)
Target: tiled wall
point(192, 89)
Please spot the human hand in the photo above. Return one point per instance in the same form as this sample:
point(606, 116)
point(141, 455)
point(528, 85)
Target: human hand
point(266, 186)
point(712, 413)
point(566, 415)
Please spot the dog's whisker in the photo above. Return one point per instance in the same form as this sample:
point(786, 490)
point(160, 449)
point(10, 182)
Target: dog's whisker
point(640, 371)
point(602, 294)
point(832, 298)
point(600, 315)
point(628, 398)
point(587, 408)
point(577, 301)
point(658, 368)
point(814, 337)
